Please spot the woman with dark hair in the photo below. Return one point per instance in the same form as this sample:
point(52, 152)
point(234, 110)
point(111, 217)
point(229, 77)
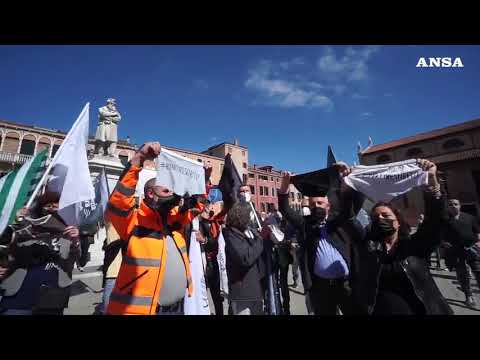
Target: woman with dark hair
point(393, 265)
point(245, 266)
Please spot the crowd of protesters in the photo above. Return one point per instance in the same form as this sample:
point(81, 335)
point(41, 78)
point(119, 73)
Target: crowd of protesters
point(344, 267)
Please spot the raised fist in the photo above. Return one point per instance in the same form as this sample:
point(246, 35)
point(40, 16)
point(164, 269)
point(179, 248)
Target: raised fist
point(150, 150)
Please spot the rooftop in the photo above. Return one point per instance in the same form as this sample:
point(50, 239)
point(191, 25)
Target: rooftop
point(472, 124)
point(224, 143)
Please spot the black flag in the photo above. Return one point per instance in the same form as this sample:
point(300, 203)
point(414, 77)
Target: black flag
point(230, 183)
point(317, 183)
point(330, 156)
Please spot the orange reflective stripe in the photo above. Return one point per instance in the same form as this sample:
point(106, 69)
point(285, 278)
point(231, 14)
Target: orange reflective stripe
point(119, 212)
point(141, 231)
point(124, 190)
point(141, 262)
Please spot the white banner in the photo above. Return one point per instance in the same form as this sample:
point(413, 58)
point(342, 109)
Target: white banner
point(222, 265)
point(197, 304)
point(386, 181)
point(180, 174)
point(70, 174)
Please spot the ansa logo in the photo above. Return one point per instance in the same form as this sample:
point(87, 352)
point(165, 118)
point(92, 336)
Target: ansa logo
point(439, 62)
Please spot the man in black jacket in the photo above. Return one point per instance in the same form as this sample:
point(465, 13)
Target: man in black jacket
point(245, 267)
point(328, 245)
point(462, 239)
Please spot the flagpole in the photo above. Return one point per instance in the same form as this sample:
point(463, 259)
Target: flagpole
point(272, 300)
point(45, 175)
point(256, 217)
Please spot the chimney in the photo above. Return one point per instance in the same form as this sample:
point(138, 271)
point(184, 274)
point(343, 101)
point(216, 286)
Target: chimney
point(236, 143)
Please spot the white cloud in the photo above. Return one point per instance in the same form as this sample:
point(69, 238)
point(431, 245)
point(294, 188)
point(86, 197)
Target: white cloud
point(299, 82)
point(388, 94)
point(352, 66)
point(284, 92)
point(367, 114)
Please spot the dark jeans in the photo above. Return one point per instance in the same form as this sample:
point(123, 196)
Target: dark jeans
point(213, 282)
point(327, 295)
point(462, 258)
point(295, 268)
point(284, 290)
point(85, 255)
point(109, 285)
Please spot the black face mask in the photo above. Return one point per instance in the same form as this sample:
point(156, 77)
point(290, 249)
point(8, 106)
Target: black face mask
point(318, 214)
point(383, 227)
point(165, 204)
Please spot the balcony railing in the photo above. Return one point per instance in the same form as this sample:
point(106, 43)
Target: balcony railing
point(14, 158)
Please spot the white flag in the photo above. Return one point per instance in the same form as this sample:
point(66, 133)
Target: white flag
point(70, 174)
point(386, 181)
point(197, 304)
point(222, 265)
point(180, 174)
point(91, 211)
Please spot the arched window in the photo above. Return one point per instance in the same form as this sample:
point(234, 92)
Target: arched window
point(383, 159)
point(453, 144)
point(28, 145)
point(43, 143)
point(11, 142)
point(414, 152)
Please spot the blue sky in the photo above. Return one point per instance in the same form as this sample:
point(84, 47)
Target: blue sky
point(285, 103)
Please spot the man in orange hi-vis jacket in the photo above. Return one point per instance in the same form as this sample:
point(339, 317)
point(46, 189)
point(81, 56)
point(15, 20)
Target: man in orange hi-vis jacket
point(155, 270)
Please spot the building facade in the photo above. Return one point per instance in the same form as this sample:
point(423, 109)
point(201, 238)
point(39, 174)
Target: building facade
point(18, 143)
point(264, 182)
point(455, 150)
point(238, 153)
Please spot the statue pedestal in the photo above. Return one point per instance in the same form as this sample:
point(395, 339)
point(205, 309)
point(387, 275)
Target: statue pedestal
point(113, 169)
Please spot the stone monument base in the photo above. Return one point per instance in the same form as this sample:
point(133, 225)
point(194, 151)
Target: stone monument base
point(113, 169)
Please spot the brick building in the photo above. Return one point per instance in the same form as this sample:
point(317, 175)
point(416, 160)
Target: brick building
point(18, 143)
point(238, 153)
point(455, 150)
point(264, 182)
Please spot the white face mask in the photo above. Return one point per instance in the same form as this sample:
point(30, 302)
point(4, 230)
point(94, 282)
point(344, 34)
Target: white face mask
point(245, 197)
point(306, 211)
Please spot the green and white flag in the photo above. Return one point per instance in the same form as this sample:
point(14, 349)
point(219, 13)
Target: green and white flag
point(17, 186)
